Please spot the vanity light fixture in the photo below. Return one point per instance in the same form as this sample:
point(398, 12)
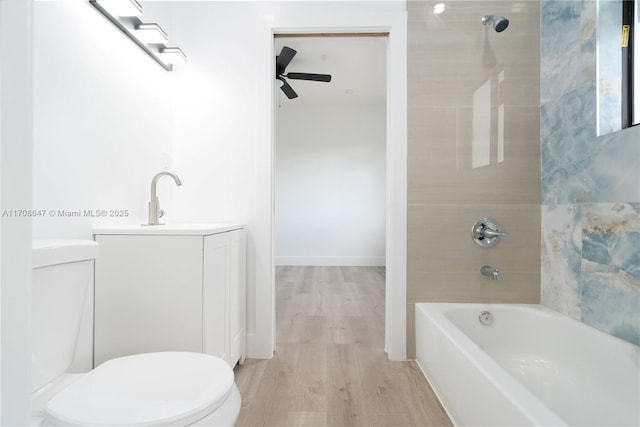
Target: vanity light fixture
point(150, 37)
point(122, 8)
point(173, 55)
point(151, 34)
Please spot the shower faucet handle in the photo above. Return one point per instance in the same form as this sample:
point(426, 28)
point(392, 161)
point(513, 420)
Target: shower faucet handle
point(486, 232)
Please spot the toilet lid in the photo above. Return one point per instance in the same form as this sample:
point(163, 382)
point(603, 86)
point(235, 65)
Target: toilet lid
point(151, 389)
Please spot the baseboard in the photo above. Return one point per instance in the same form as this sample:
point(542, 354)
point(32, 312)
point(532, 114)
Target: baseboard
point(356, 261)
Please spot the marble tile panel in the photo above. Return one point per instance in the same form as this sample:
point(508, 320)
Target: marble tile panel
point(611, 303)
point(612, 173)
point(611, 240)
point(567, 145)
point(588, 21)
point(561, 259)
point(560, 45)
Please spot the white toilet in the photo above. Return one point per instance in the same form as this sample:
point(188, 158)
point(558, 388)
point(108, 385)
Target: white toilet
point(152, 389)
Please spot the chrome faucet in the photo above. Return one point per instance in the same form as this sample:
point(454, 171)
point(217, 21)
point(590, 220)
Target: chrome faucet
point(489, 271)
point(154, 205)
point(486, 232)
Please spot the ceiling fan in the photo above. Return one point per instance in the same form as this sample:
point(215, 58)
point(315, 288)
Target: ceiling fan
point(282, 61)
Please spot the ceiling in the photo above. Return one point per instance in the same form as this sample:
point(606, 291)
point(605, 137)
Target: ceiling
point(357, 64)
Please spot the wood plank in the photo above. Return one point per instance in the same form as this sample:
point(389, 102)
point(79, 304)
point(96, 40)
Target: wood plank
point(346, 397)
point(310, 383)
point(339, 330)
point(248, 378)
point(306, 418)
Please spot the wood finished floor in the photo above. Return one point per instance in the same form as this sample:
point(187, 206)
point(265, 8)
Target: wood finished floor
point(329, 368)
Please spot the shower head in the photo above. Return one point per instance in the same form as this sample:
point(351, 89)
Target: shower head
point(500, 23)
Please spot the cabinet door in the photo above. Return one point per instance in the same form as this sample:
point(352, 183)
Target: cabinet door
point(237, 296)
point(216, 278)
point(148, 295)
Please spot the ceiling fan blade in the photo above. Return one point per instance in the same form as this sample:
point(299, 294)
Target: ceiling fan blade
point(308, 76)
point(288, 90)
point(282, 60)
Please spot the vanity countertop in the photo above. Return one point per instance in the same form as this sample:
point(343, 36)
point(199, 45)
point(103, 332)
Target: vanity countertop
point(176, 229)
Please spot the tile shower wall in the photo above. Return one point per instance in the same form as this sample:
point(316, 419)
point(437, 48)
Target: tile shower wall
point(474, 151)
point(590, 185)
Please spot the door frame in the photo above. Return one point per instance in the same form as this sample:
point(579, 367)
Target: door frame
point(396, 175)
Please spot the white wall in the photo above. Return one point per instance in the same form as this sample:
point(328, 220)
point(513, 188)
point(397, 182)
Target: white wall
point(102, 121)
point(223, 130)
point(15, 194)
point(330, 185)
point(101, 129)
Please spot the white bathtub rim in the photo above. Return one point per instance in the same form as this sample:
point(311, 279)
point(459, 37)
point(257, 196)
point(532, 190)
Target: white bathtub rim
point(548, 312)
point(515, 392)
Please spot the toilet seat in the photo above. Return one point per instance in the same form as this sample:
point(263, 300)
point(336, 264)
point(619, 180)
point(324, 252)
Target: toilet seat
point(151, 389)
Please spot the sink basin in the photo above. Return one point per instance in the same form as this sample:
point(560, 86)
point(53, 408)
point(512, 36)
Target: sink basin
point(176, 229)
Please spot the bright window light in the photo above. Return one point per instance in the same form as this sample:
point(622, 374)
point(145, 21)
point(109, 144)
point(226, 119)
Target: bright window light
point(438, 8)
point(122, 8)
point(173, 55)
point(151, 34)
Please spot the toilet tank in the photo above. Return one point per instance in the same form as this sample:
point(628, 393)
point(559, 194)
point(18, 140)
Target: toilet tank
point(62, 275)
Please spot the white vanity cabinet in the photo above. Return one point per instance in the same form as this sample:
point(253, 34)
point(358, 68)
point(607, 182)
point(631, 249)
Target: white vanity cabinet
point(183, 290)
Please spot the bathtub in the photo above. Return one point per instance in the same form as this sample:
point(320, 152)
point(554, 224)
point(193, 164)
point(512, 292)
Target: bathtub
point(529, 366)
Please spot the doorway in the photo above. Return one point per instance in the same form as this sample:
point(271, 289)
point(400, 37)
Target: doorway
point(330, 185)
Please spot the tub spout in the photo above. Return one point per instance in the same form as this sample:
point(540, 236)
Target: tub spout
point(489, 271)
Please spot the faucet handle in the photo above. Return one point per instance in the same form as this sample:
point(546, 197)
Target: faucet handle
point(486, 232)
point(159, 211)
